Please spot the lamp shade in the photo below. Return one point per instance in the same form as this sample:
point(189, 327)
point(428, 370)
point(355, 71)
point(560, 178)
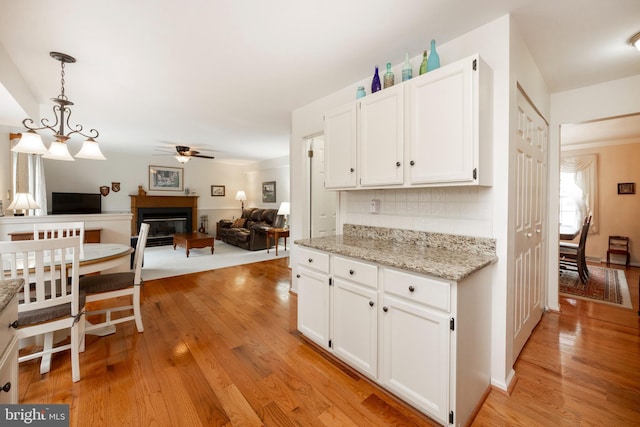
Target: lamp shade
point(23, 201)
point(90, 150)
point(285, 208)
point(58, 151)
point(30, 143)
point(241, 196)
point(182, 159)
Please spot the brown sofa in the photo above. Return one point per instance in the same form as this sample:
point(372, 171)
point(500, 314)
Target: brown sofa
point(249, 231)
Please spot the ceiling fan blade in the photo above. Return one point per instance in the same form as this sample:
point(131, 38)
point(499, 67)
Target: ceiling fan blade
point(202, 156)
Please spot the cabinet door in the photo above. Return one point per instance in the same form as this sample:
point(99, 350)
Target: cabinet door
point(442, 126)
point(355, 326)
point(313, 306)
point(415, 354)
point(340, 147)
point(9, 372)
point(381, 137)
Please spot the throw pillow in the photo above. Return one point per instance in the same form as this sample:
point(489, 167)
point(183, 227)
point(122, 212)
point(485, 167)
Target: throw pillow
point(239, 223)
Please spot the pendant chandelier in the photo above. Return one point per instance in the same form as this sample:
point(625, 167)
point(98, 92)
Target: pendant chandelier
point(31, 142)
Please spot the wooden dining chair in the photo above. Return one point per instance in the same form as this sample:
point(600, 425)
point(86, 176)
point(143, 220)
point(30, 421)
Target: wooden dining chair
point(115, 285)
point(50, 300)
point(55, 230)
point(619, 245)
point(572, 256)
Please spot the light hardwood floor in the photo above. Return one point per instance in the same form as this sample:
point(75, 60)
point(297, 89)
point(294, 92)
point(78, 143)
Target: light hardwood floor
point(221, 348)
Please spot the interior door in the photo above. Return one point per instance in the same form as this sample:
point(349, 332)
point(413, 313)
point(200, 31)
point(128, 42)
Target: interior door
point(531, 137)
point(323, 202)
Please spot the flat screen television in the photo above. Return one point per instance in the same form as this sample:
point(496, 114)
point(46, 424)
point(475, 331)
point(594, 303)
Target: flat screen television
point(75, 203)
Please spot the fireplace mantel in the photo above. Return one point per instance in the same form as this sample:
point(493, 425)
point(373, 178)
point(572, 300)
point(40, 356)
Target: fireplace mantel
point(144, 201)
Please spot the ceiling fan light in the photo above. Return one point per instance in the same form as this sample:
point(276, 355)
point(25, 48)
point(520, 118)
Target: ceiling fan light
point(31, 143)
point(182, 159)
point(90, 150)
point(58, 151)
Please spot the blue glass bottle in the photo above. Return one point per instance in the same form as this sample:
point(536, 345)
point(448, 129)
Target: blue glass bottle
point(434, 59)
point(375, 83)
point(360, 93)
point(407, 70)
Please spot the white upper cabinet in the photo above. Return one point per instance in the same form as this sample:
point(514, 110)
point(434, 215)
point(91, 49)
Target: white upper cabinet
point(381, 137)
point(433, 130)
point(340, 147)
point(448, 116)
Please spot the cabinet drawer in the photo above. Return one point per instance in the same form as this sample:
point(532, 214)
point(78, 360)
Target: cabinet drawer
point(8, 316)
point(312, 259)
point(356, 271)
point(420, 289)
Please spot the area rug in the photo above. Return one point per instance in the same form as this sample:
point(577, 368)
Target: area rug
point(164, 261)
point(605, 285)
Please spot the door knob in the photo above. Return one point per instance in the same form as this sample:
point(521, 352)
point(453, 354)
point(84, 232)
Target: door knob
point(398, 164)
point(385, 309)
point(370, 303)
point(352, 170)
point(412, 163)
point(351, 272)
point(6, 387)
point(411, 288)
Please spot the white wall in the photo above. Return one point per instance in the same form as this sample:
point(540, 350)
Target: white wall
point(267, 170)
point(614, 98)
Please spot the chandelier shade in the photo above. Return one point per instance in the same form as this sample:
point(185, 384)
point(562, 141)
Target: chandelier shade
point(58, 149)
point(31, 143)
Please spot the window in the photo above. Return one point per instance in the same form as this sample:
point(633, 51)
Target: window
point(579, 190)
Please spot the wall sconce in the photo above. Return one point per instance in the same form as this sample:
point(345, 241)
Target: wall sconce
point(22, 201)
point(242, 197)
point(285, 209)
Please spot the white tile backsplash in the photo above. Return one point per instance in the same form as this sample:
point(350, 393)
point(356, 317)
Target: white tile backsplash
point(455, 210)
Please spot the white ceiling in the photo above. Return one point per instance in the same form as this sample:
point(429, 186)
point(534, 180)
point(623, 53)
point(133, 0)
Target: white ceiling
point(224, 75)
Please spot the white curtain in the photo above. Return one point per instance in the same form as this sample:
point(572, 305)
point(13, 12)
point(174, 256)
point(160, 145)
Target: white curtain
point(28, 177)
point(585, 169)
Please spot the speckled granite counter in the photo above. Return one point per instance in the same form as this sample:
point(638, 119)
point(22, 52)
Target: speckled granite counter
point(441, 255)
point(8, 288)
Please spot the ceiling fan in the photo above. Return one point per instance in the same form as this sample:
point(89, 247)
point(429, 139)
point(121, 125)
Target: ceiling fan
point(184, 154)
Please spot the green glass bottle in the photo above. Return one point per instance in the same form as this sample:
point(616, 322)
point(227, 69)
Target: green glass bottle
point(423, 65)
point(388, 78)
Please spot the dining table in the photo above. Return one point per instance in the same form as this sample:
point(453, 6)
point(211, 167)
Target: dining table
point(98, 258)
point(568, 232)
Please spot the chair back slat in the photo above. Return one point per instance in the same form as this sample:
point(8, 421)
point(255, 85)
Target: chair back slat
point(139, 254)
point(56, 230)
point(48, 267)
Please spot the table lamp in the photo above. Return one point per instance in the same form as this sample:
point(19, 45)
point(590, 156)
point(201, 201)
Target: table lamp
point(22, 201)
point(242, 197)
point(285, 209)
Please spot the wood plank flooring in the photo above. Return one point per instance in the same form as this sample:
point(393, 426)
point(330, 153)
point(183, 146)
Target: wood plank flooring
point(221, 348)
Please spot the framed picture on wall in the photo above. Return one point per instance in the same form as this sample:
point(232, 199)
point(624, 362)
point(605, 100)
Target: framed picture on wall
point(166, 178)
point(269, 192)
point(217, 190)
point(627, 188)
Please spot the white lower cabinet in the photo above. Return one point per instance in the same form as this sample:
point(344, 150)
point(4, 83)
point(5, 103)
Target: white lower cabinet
point(354, 335)
point(313, 296)
point(415, 350)
point(426, 340)
point(9, 354)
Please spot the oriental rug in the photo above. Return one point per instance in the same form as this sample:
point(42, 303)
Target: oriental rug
point(605, 285)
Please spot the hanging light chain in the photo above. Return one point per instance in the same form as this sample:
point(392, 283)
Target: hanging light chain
point(62, 95)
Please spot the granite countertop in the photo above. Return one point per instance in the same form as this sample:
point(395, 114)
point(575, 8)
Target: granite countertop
point(441, 255)
point(8, 289)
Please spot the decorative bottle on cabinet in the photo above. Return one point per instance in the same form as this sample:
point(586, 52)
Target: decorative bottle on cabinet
point(434, 58)
point(388, 77)
point(375, 83)
point(407, 71)
point(360, 93)
point(423, 65)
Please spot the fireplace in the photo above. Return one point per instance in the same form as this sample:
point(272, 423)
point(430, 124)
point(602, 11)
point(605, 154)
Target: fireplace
point(164, 223)
point(166, 215)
